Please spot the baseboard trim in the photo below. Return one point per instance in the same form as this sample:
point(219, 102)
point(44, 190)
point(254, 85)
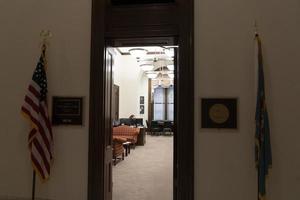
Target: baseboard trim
point(20, 198)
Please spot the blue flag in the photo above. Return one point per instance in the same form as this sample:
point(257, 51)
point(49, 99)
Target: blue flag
point(262, 133)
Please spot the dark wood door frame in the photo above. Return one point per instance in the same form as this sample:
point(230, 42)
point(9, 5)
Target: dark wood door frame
point(143, 21)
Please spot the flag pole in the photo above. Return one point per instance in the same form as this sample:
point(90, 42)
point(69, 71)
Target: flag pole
point(33, 185)
point(44, 35)
point(256, 71)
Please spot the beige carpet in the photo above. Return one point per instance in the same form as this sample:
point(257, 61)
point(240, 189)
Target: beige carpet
point(147, 172)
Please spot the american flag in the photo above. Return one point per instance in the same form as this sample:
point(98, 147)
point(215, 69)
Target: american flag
point(40, 139)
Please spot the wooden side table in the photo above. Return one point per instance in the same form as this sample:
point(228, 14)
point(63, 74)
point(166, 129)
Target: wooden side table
point(141, 139)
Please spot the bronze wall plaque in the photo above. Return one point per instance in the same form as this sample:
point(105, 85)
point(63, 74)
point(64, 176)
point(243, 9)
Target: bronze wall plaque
point(219, 113)
point(67, 110)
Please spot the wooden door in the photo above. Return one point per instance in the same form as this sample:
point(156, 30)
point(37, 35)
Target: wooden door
point(176, 123)
point(108, 125)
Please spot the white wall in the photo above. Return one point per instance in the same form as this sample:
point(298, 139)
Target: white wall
point(68, 74)
point(225, 67)
point(133, 84)
point(224, 167)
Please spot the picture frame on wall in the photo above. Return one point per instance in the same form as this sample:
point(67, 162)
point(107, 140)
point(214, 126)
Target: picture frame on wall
point(219, 113)
point(142, 109)
point(142, 100)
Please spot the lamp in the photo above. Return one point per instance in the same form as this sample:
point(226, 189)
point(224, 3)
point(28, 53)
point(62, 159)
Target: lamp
point(147, 67)
point(171, 67)
point(138, 52)
point(151, 75)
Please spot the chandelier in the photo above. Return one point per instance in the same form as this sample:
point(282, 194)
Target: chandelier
point(138, 52)
point(152, 75)
point(171, 67)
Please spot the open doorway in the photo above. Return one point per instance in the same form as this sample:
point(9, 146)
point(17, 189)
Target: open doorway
point(143, 113)
point(139, 24)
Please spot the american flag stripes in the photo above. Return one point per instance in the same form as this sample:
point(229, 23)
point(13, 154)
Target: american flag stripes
point(40, 139)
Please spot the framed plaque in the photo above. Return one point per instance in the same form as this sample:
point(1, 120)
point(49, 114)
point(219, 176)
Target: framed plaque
point(219, 113)
point(67, 110)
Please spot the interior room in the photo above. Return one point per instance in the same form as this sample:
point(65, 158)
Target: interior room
point(143, 120)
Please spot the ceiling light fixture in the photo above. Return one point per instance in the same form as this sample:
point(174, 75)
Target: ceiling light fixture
point(171, 76)
point(138, 52)
point(151, 75)
point(147, 67)
point(171, 67)
point(169, 52)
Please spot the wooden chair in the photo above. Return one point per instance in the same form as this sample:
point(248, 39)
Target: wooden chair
point(118, 149)
point(168, 128)
point(155, 128)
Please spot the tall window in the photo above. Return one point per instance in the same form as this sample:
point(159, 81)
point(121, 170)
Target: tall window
point(159, 103)
point(163, 103)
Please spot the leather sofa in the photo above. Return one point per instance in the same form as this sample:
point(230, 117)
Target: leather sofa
point(127, 132)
